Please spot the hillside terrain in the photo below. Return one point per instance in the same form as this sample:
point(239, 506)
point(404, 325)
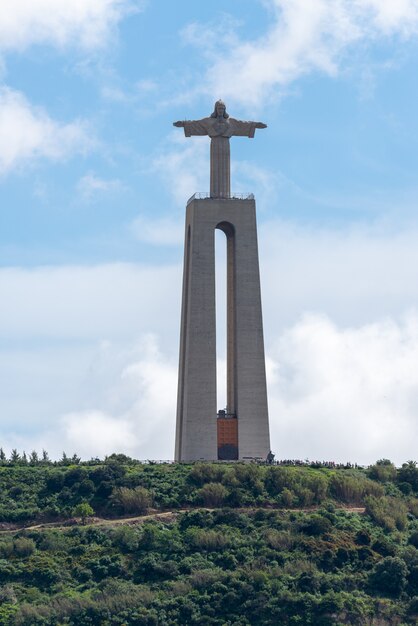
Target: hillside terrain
point(117, 542)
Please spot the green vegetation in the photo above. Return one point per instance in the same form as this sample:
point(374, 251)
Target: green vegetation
point(217, 544)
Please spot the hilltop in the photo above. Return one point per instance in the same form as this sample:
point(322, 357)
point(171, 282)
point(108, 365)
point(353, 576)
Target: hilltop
point(207, 543)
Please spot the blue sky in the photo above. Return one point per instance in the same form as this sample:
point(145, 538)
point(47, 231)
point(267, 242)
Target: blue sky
point(93, 185)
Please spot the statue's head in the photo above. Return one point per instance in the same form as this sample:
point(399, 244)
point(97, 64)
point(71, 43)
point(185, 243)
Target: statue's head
point(220, 110)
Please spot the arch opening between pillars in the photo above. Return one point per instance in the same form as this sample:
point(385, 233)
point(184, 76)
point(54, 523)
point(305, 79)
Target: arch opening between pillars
point(227, 419)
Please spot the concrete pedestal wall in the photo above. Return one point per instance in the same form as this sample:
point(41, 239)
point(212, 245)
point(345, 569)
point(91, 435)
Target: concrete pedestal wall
point(196, 432)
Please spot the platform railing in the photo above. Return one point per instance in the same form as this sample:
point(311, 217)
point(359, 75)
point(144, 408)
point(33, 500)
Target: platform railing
point(205, 195)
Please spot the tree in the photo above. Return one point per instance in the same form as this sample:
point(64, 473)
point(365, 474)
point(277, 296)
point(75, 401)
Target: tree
point(383, 471)
point(409, 474)
point(389, 576)
point(83, 510)
point(33, 458)
point(65, 460)
point(45, 458)
point(15, 456)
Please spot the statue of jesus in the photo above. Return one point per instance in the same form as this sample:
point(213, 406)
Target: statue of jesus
point(220, 127)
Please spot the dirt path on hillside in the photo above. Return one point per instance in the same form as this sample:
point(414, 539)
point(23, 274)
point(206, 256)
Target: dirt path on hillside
point(168, 516)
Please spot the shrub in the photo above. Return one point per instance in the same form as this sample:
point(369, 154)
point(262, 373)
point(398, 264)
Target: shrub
point(6, 548)
point(28, 615)
point(202, 519)
point(207, 539)
point(24, 547)
point(389, 576)
point(383, 471)
point(390, 513)
point(279, 539)
point(413, 607)
point(384, 546)
point(316, 525)
point(212, 494)
point(409, 474)
point(287, 497)
point(279, 478)
point(363, 537)
point(353, 489)
point(125, 538)
point(405, 488)
point(204, 578)
point(248, 477)
point(7, 594)
point(318, 484)
point(413, 506)
point(305, 496)
point(86, 487)
point(136, 500)
point(7, 611)
point(202, 473)
point(74, 475)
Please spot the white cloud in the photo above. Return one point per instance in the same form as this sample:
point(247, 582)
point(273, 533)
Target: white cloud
point(90, 185)
point(346, 393)
point(93, 433)
point(304, 36)
point(392, 17)
point(84, 23)
point(27, 133)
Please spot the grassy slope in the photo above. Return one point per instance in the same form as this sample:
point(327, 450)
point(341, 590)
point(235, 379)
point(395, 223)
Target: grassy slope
point(251, 560)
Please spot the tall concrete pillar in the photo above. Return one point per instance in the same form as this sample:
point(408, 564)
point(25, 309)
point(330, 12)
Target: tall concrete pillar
point(197, 432)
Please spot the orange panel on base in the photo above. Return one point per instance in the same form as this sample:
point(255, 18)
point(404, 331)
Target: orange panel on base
point(227, 438)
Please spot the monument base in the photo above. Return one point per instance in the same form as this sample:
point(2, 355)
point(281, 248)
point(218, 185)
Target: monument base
point(199, 433)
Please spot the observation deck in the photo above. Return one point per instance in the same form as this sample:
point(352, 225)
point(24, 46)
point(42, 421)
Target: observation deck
point(205, 195)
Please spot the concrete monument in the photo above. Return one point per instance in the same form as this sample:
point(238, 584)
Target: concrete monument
point(241, 431)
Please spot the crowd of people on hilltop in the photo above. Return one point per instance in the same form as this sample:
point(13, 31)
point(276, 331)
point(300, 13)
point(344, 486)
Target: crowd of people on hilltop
point(308, 463)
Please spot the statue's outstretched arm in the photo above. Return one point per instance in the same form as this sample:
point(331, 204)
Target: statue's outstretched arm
point(192, 127)
point(245, 129)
